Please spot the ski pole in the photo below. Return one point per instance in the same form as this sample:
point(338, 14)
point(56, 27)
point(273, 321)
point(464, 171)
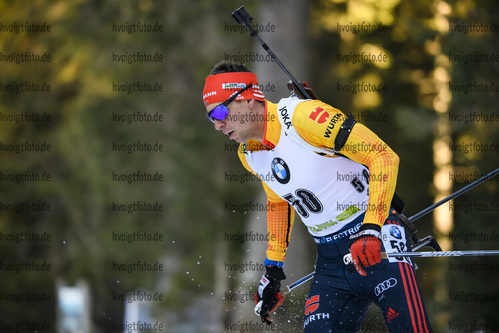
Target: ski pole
point(411, 228)
point(430, 241)
point(434, 254)
point(384, 255)
point(454, 195)
point(297, 283)
point(347, 258)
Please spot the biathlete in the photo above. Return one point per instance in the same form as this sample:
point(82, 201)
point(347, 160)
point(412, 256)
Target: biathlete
point(339, 177)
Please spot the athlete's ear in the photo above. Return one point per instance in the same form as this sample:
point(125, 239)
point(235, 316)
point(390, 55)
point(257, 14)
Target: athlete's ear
point(251, 103)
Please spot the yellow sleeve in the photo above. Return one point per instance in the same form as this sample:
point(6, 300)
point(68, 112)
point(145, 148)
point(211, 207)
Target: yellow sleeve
point(280, 218)
point(318, 123)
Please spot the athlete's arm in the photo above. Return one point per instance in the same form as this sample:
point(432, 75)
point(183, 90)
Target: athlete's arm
point(318, 123)
point(280, 217)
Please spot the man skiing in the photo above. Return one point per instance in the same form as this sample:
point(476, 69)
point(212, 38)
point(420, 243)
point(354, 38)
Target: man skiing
point(340, 178)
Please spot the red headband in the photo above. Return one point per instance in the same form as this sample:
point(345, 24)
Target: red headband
point(219, 87)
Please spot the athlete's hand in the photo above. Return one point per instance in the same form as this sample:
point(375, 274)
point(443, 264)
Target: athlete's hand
point(366, 247)
point(268, 297)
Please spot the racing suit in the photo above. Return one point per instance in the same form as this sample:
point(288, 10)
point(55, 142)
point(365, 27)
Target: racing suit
point(334, 194)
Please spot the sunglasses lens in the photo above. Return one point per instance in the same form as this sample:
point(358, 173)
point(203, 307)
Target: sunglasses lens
point(220, 112)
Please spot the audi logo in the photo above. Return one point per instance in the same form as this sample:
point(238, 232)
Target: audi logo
point(385, 285)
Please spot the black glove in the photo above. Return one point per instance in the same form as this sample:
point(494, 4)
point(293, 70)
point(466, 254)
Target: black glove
point(268, 297)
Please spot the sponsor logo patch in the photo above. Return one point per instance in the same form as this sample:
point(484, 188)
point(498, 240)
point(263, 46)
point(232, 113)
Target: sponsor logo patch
point(331, 124)
point(311, 305)
point(285, 117)
point(395, 232)
point(385, 285)
point(280, 170)
point(392, 314)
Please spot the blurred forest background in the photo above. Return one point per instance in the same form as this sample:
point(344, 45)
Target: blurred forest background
point(441, 70)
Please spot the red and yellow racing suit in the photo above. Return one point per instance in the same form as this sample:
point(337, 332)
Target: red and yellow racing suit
point(379, 161)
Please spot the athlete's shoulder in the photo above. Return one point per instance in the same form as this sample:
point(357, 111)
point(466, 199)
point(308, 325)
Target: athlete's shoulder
point(314, 112)
point(317, 122)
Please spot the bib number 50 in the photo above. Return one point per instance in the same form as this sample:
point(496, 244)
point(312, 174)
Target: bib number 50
point(304, 201)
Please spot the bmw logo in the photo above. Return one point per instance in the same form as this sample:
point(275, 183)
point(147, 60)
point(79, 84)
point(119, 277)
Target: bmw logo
point(280, 170)
point(395, 232)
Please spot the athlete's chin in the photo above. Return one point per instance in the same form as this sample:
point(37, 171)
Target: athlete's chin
point(237, 139)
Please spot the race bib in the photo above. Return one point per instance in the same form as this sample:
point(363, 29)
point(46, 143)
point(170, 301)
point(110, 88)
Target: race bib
point(393, 237)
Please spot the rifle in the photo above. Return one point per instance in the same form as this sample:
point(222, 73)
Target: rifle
point(300, 89)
